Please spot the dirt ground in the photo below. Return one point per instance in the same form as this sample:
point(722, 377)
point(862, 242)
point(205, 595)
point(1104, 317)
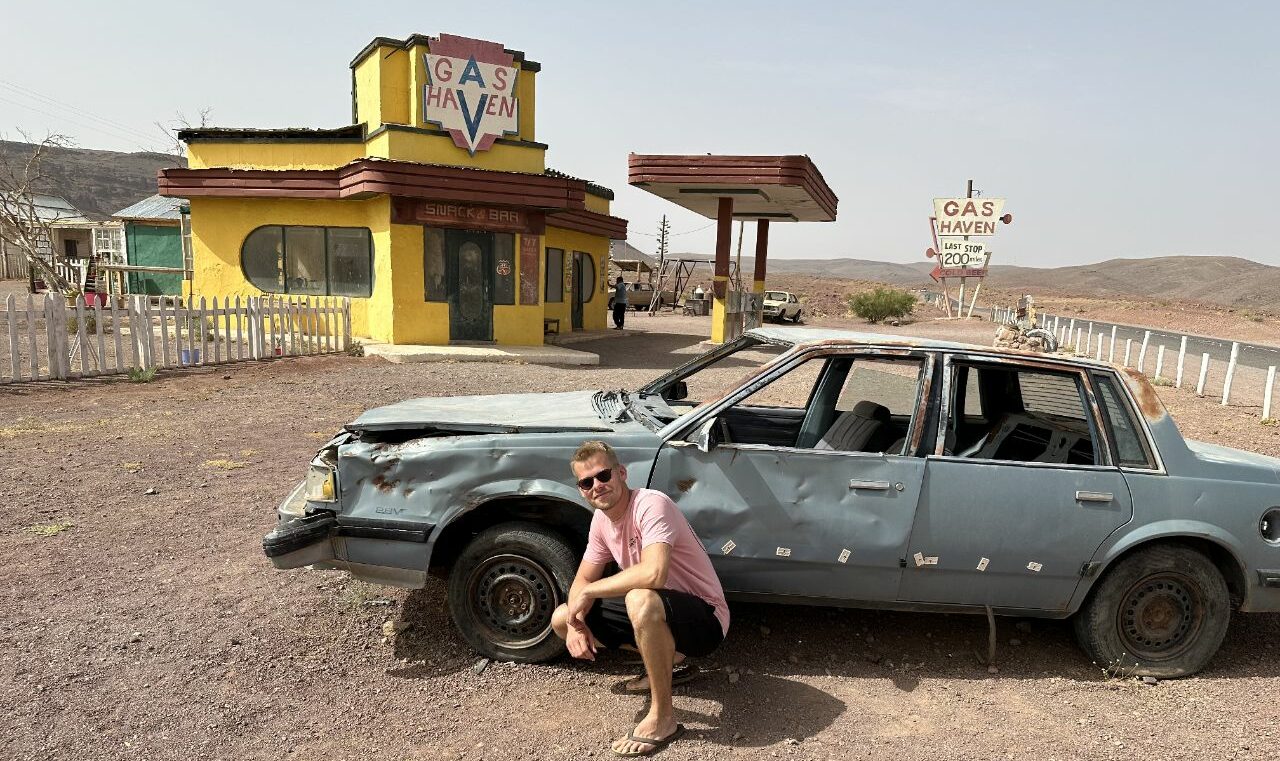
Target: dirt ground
point(141, 620)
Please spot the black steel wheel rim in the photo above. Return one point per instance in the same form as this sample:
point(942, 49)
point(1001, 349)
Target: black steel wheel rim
point(1160, 617)
point(512, 598)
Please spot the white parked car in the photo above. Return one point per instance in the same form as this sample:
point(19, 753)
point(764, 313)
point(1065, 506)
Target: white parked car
point(780, 305)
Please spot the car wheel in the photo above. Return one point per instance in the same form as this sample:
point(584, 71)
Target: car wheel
point(504, 588)
point(1160, 612)
point(796, 319)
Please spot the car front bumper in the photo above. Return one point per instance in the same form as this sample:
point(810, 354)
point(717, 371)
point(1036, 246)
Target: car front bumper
point(316, 539)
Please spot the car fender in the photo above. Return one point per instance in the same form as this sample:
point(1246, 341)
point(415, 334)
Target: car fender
point(1172, 529)
point(517, 487)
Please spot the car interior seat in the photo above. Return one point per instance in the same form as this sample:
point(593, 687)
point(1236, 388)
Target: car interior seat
point(853, 430)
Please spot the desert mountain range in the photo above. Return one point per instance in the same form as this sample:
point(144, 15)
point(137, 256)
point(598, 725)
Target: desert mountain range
point(102, 182)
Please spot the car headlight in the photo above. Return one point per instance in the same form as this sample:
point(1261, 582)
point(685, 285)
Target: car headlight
point(322, 484)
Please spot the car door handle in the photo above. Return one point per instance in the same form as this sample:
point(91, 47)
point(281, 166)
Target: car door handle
point(876, 485)
point(1094, 496)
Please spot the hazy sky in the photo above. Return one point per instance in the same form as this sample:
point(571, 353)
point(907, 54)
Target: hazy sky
point(1113, 129)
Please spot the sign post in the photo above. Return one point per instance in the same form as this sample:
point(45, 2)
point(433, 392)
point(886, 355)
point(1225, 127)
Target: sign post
point(954, 221)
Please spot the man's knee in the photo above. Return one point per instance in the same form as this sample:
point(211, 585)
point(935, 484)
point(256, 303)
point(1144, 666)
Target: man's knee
point(644, 607)
point(560, 621)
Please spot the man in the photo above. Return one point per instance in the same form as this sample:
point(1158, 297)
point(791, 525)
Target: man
point(665, 600)
point(619, 303)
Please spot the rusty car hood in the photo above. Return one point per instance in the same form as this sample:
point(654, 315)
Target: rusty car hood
point(496, 413)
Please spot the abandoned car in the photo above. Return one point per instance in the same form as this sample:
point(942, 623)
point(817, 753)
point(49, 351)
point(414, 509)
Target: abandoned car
point(846, 470)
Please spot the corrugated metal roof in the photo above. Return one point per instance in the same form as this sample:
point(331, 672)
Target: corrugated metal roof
point(53, 208)
point(154, 207)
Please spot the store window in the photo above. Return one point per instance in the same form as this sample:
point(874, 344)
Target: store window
point(433, 264)
point(310, 261)
point(555, 275)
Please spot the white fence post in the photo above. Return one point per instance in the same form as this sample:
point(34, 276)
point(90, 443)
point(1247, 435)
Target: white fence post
point(31, 338)
point(1142, 353)
point(1112, 356)
point(1231, 372)
point(1128, 349)
point(1182, 356)
point(15, 359)
point(1266, 395)
point(1204, 373)
point(1159, 361)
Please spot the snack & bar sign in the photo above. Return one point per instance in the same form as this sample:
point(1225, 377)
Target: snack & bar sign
point(406, 211)
point(471, 91)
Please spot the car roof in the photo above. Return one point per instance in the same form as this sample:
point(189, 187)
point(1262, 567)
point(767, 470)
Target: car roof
point(803, 337)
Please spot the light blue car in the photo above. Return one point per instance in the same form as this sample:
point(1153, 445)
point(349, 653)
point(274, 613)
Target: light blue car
point(846, 469)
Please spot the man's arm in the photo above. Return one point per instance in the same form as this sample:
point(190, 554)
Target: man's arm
point(578, 640)
point(649, 573)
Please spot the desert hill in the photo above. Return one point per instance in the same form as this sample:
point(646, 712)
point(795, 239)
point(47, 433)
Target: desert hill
point(98, 183)
point(1221, 280)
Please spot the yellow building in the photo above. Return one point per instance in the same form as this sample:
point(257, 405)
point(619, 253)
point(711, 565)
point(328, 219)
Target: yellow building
point(434, 212)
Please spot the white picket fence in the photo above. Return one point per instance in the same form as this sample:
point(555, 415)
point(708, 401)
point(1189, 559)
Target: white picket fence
point(51, 340)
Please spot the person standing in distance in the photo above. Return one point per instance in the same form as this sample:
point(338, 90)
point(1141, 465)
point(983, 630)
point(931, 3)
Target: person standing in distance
point(665, 600)
point(619, 303)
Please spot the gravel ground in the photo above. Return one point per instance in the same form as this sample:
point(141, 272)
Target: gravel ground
point(142, 622)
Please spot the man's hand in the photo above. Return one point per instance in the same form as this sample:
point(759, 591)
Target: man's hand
point(580, 643)
point(579, 605)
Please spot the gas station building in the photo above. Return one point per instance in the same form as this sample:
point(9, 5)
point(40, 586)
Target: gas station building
point(434, 211)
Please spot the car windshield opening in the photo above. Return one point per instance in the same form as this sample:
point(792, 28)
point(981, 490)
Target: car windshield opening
point(709, 376)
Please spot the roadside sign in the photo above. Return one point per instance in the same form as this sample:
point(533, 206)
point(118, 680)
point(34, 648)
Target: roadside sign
point(967, 216)
point(958, 253)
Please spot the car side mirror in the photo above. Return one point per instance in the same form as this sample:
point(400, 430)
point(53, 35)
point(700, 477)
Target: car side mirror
point(705, 439)
point(678, 391)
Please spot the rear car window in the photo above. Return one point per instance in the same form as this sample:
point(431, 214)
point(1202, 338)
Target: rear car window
point(1131, 446)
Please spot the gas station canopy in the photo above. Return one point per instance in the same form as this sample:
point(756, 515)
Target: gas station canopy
point(780, 188)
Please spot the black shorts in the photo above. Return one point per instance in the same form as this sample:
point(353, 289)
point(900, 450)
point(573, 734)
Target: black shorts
point(692, 621)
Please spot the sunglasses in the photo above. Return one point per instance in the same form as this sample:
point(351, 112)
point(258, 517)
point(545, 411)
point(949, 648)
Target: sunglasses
point(604, 477)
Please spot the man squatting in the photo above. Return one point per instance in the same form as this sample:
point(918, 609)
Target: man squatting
point(665, 600)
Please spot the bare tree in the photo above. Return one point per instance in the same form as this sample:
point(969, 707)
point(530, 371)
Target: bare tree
point(179, 123)
point(24, 224)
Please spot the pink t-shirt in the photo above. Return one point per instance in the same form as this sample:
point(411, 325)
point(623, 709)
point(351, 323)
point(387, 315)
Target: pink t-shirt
point(652, 517)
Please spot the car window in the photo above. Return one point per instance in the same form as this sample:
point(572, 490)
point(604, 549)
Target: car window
point(1029, 415)
point(842, 403)
point(1130, 443)
point(892, 384)
point(775, 295)
point(791, 391)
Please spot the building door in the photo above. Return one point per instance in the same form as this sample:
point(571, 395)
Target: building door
point(584, 276)
point(469, 280)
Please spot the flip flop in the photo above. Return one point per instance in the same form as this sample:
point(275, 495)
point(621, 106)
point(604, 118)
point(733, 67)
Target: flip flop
point(681, 674)
point(657, 744)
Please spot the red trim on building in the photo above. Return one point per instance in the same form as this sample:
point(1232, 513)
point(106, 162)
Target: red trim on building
point(563, 197)
point(733, 171)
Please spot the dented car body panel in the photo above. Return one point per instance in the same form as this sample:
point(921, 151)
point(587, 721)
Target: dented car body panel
point(922, 522)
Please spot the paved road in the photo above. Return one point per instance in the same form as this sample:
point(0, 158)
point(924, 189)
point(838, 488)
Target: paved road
point(1251, 355)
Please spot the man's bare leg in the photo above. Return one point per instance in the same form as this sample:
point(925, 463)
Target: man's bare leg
point(657, 648)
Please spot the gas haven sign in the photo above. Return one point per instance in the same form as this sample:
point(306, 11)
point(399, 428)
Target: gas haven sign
point(471, 91)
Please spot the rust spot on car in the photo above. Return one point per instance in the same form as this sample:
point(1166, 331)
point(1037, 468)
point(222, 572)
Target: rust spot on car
point(685, 484)
point(1148, 400)
point(382, 484)
point(408, 492)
